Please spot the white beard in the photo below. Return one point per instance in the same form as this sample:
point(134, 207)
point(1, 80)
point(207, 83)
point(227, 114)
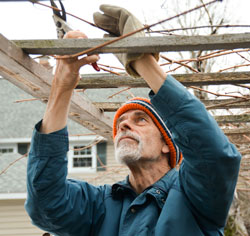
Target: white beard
point(127, 152)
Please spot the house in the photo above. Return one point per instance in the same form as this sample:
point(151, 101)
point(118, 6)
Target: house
point(90, 157)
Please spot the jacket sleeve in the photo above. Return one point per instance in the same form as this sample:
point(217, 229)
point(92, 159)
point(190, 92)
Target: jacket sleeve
point(209, 171)
point(54, 203)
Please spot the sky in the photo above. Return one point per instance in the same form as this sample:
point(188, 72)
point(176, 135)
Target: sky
point(23, 20)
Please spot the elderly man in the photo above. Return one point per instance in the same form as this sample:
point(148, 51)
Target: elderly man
point(155, 199)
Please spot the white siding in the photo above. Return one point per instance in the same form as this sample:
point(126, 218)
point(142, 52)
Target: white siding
point(14, 220)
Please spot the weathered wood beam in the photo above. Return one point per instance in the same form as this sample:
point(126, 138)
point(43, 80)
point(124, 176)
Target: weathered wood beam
point(226, 103)
point(107, 80)
point(141, 45)
point(233, 119)
point(239, 139)
point(210, 104)
point(238, 136)
point(112, 107)
point(33, 78)
point(108, 106)
point(236, 131)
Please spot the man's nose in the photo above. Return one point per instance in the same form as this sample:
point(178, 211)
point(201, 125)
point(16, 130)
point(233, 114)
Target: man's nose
point(125, 125)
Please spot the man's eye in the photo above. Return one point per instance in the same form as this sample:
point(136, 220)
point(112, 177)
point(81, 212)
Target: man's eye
point(141, 119)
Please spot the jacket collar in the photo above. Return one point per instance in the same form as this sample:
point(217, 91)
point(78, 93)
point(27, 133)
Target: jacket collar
point(163, 185)
point(122, 188)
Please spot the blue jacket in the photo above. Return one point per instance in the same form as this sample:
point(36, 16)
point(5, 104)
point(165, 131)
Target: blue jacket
point(193, 201)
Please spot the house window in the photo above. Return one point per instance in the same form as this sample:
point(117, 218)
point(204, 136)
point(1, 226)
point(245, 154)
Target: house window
point(6, 150)
point(82, 158)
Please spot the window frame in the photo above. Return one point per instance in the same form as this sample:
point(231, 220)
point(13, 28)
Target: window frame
point(8, 146)
point(72, 169)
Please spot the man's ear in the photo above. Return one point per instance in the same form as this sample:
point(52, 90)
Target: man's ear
point(165, 148)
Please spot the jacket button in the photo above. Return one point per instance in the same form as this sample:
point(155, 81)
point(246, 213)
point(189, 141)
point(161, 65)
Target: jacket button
point(158, 191)
point(133, 210)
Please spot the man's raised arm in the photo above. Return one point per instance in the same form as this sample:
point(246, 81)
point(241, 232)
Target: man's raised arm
point(65, 80)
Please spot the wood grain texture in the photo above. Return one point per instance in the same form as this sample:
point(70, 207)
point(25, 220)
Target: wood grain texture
point(107, 80)
point(140, 45)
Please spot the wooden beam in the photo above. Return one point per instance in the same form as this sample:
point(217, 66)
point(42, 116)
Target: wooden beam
point(237, 135)
point(233, 119)
point(108, 106)
point(239, 139)
point(210, 104)
point(33, 78)
point(107, 80)
point(235, 103)
point(140, 45)
point(236, 131)
point(112, 107)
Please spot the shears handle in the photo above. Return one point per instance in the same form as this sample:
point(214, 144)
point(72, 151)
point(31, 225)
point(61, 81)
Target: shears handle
point(95, 66)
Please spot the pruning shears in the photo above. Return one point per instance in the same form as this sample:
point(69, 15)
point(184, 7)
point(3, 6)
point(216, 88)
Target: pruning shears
point(62, 27)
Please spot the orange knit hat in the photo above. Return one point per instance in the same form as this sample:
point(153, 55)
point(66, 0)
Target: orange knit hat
point(145, 105)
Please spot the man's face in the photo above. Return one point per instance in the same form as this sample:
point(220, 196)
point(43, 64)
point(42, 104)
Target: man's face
point(138, 138)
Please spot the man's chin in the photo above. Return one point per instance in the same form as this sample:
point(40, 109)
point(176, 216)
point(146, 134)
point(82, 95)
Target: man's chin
point(126, 156)
point(127, 160)
point(128, 151)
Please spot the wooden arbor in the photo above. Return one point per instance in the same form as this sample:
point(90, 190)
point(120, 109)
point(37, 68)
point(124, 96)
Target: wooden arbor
point(20, 69)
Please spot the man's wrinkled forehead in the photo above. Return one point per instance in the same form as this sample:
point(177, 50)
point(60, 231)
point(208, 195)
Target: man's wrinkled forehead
point(134, 113)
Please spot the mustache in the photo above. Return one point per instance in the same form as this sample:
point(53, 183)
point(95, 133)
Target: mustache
point(128, 134)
